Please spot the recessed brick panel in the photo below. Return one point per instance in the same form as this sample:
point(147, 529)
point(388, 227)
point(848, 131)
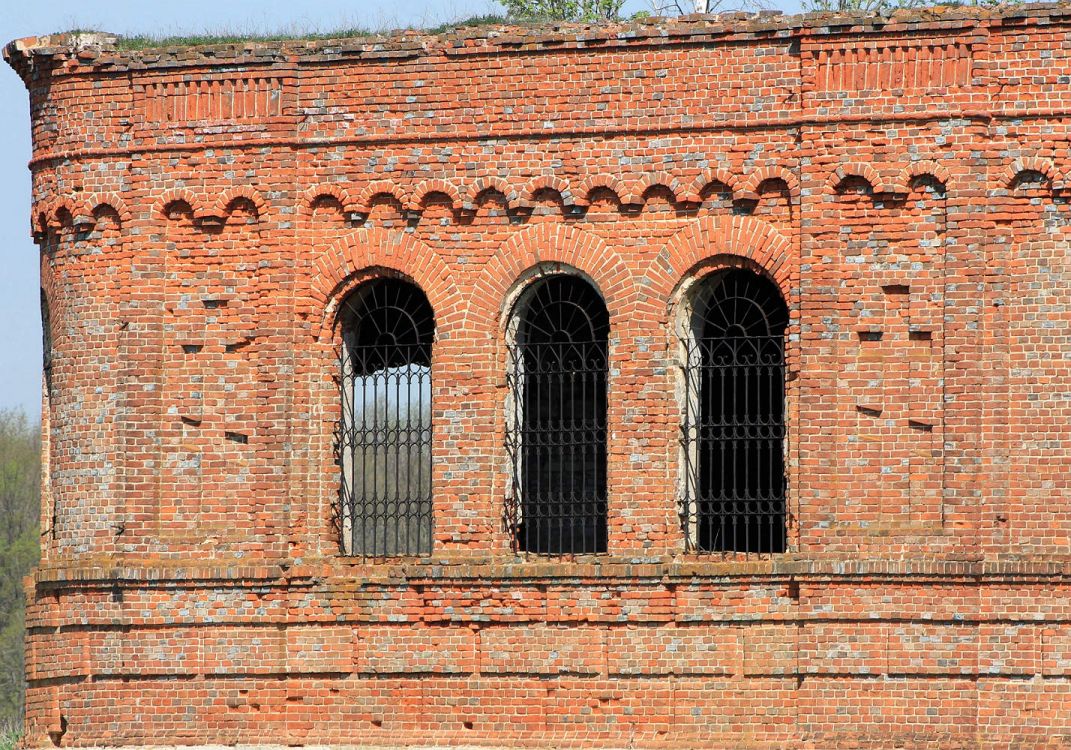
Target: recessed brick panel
point(542, 650)
point(771, 649)
point(1010, 649)
point(320, 648)
point(844, 648)
point(244, 650)
point(403, 650)
point(933, 649)
point(161, 651)
point(660, 650)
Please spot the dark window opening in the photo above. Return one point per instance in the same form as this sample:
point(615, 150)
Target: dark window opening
point(384, 435)
point(46, 344)
point(46, 333)
point(734, 426)
point(557, 439)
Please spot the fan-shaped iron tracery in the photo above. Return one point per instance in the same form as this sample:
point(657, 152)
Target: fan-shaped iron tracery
point(384, 440)
point(558, 365)
point(388, 317)
point(734, 426)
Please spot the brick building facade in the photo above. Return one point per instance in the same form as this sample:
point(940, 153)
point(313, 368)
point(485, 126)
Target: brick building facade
point(206, 215)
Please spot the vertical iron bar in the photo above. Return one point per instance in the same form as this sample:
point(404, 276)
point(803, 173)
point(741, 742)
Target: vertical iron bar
point(388, 328)
point(558, 371)
point(737, 485)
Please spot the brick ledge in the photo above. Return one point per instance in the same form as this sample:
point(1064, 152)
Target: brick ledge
point(603, 570)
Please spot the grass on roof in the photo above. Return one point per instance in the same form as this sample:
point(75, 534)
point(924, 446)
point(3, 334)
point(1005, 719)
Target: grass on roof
point(144, 41)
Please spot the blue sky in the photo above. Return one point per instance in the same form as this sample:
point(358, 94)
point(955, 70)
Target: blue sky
point(20, 354)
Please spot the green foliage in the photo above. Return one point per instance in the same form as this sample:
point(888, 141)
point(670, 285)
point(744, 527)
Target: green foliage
point(586, 11)
point(20, 469)
point(883, 7)
point(877, 7)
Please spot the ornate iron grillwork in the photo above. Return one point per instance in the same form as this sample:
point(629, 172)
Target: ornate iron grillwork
point(384, 434)
point(734, 420)
point(557, 435)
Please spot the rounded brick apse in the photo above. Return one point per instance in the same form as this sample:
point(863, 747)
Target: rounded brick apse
point(213, 222)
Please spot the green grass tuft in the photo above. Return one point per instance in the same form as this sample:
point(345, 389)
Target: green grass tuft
point(472, 22)
point(146, 41)
point(9, 738)
point(199, 40)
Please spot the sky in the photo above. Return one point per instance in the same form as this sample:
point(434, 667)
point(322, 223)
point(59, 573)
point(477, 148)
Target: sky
point(20, 354)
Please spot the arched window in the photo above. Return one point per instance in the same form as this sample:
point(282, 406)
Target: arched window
point(734, 420)
point(557, 437)
point(384, 440)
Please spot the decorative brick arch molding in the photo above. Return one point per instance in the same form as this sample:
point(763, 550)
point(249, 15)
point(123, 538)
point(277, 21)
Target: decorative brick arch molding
point(724, 241)
point(356, 257)
point(742, 237)
point(540, 247)
point(543, 244)
point(360, 254)
point(708, 245)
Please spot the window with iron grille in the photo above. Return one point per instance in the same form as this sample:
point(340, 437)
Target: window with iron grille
point(384, 434)
point(734, 418)
point(557, 433)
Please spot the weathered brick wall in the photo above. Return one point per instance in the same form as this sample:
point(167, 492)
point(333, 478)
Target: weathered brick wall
point(200, 213)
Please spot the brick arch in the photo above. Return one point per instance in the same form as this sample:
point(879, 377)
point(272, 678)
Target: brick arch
point(180, 196)
point(546, 182)
point(715, 175)
point(428, 188)
point(225, 202)
point(750, 186)
point(732, 236)
point(486, 185)
point(373, 190)
point(82, 216)
point(918, 169)
point(1035, 164)
point(106, 211)
point(364, 250)
point(65, 211)
point(316, 193)
point(38, 218)
point(640, 186)
point(115, 203)
point(599, 182)
point(330, 190)
point(551, 243)
point(860, 170)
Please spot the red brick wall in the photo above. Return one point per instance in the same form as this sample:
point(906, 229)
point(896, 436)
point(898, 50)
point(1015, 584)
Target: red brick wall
point(201, 212)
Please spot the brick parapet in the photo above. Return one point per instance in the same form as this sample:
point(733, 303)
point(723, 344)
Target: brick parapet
point(291, 67)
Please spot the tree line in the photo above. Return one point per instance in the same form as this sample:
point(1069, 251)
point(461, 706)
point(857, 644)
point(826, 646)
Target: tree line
point(20, 477)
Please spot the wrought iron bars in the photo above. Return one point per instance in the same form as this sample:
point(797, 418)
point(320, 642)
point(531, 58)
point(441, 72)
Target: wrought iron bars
point(734, 427)
point(384, 434)
point(557, 435)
